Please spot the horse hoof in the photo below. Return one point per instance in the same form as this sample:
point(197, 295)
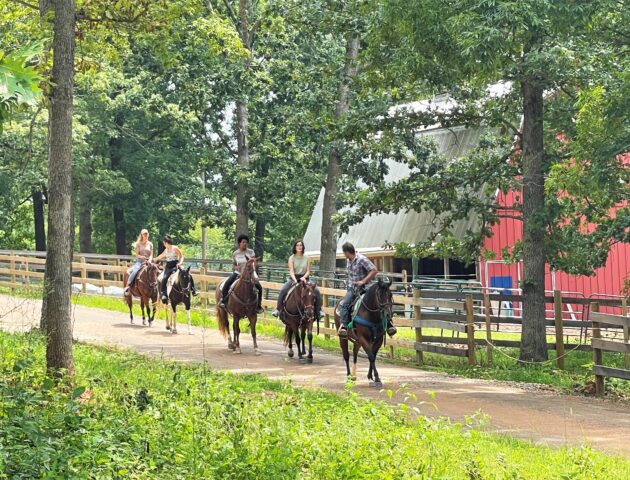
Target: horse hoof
point(231, 346)
point(168, 328)
point(144, 322)
point(174, 331)
point(257, 352)
point(290, 353)
point(309, 360)
point(302, 360)
point(131, 321)
point(237, 350)
point(378, 384)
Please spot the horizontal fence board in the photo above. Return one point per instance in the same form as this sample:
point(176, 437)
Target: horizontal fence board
point(610, 345)
point(498, 343)
point(452, 351)
point(439, 303)
point(430, 323)
point(610, 319)
point(611, 372)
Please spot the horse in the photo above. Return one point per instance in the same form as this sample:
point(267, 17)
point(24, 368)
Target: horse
point(297, 314)
point(145, 287)
point(242, 302)
point(178, 291)
point(369, 325)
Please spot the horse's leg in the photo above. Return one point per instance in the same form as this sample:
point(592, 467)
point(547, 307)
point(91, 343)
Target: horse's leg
point(309, 359)
point(343, 343)
point(174, 322)
point(252, 325)
point(375, 348)
point(355, 354)
point(187, 305)
point(167, 312)
point(144, 301)
point(303, 340)
point(154, 305)
point(129, 300)
point(237, 334)
point(288, 333)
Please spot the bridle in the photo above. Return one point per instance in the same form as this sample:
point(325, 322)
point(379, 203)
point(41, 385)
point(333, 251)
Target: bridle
point(308, 311)
point(384, 307)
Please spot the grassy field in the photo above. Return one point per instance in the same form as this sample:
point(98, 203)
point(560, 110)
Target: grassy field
point(505, 366)
point(127, 416)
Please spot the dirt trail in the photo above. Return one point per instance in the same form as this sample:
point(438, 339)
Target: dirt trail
point(537, 415)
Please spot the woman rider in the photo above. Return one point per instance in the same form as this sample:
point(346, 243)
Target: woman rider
point(144, 253)
point(239, 259)
point(299, 270)
point(174, 259)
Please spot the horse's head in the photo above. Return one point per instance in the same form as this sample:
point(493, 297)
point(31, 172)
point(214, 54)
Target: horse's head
point(248, 272)
point(379, 298)
point(185, 278)
point(153, 271)
point(307, 297)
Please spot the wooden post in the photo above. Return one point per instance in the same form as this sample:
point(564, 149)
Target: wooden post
point(597, 353)
point(12, 268)
point(83, 276)
point(417, 315)
point(486, 309)
point(557, 307)
point(204, 287)
point(626, 334)
point(325, 305)
point(103, 282)
point(27, 271)
point(470, 330)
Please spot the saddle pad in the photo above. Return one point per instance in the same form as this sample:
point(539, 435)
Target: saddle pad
point(357, 305)
point(171, 281)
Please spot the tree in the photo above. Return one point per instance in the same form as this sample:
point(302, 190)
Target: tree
point(58, 273)
point(539, 47)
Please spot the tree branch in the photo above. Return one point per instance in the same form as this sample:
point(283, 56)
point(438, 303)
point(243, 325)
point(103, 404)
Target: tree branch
point(231, 13)
point(26, 4)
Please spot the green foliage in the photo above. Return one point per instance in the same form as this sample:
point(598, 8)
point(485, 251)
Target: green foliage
point(130, 417)
point(19, 81)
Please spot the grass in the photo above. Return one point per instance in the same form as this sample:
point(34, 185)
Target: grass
point(505, 366)
point(128, 416)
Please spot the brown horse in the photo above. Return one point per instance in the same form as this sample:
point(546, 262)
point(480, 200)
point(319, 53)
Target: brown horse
point(368, 330)
point(297, 314)
point(241, 302)
point(145, 287)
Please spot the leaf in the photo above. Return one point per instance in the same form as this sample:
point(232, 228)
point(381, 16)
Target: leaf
point(77, 392)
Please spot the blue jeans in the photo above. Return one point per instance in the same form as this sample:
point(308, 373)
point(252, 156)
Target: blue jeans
point(345, 306)
point(134, 271)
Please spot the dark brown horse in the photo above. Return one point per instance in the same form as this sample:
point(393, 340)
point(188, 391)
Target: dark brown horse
point(368, 330)
point(298, 314)
point(242, 302)
point(145, 287)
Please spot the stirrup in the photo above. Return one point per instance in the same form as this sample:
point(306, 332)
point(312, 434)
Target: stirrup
point(275, 312)
point(391, 331)
point(343, 331)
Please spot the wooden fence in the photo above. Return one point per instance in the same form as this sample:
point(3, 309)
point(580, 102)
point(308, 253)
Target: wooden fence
point(602, 322)
point(469, 317)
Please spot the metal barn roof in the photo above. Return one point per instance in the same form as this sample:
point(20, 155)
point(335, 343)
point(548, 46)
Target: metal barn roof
point(413, 227)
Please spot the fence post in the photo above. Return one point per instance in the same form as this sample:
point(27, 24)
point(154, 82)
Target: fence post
point(204, 288)
point(626, 334)
point(486, 309)
point(27, 271)
point(12, 267)
point(83, 275)
point(103, 282)
point(597, 353)
point(325, 305)
point(557, 307)
point(470, 329)
point(417, 316)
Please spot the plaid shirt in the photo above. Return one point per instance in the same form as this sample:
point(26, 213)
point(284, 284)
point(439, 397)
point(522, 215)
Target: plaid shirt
point(358, 268)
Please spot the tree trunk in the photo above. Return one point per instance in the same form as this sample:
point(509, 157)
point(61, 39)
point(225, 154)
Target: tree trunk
point(533, 340)
point(58, 274)
point(38, 220)
point(85, 217)
point(259, 239)
point(242, 132)
point(115, 156)
point(242, 197)
point(328, 249)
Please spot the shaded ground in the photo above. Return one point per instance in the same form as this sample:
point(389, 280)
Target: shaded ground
point(524, 412)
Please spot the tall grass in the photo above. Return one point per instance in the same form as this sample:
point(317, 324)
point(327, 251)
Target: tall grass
point(127, 416)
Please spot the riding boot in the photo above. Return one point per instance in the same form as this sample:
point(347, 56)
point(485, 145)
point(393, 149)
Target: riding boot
point(164, 298)
point(259, 308)
point(343, 328)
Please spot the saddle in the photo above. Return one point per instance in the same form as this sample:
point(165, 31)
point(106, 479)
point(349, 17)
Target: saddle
point(171, 281)
point(232, 287)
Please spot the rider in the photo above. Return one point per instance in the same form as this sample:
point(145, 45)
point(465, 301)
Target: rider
point(299, 270)
point(239, 259)
point(174, 259)
point(144, 252)
point(361, 271)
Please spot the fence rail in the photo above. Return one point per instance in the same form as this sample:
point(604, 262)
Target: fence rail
point(456, 323)
point(601, 345)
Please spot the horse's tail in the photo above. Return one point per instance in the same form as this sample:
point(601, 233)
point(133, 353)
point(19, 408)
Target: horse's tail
point(224, 323)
